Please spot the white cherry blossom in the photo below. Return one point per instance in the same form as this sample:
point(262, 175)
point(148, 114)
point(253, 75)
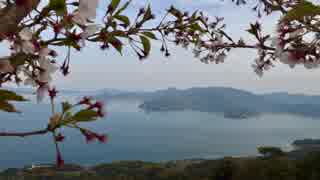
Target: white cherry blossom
point(196, 52)
point(221, 57)
point(48, 68)
point(285, 58)
point(42, 91)
point(89, 31)
point(26, 34)
point(296, 33)
point(27, 47)
point(87, 10)
point(77, 18)
point(44, 52)
point(26, 44)
point(276, 43)
point(311, 65)
point(257, 70)
point(5, 66)
point(30, 82)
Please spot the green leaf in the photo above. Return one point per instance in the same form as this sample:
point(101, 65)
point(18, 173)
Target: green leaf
point(147, 15)
point(70, 42)
point(119, 33)
point(114, 4)
point(85, 115)
point(301, 10)
point(124, 19)
point(58, 5)
point(194, 15)
point(66, 106)
point(175, 12)
point(150, 35)
point(7, 107)
point(67, 118)
point(146, 45)
point(6, 95)
point(116, 43)
point(197, 27)
point(123, 7)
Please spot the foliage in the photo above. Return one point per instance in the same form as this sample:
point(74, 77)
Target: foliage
point(275, 168)
point(270, 151)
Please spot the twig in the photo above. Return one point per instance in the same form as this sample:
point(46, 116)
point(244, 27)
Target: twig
point(24, 134)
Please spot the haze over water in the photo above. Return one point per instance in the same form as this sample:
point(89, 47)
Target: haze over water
point(156, 136)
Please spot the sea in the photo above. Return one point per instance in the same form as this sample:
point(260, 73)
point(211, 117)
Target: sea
point(153, 136)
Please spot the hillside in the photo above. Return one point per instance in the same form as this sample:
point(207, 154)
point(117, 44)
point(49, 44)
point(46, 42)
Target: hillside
point(264, 168)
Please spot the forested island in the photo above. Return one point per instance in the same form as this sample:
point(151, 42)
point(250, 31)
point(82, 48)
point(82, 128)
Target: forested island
point(230, 102)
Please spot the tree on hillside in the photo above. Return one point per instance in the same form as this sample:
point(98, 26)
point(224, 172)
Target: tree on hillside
point(34, 29)
point(268, 151)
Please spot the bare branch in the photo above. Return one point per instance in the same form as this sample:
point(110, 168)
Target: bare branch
point(24, 134)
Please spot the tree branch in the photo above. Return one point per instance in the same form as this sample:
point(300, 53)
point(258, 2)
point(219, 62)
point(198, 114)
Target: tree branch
point(24, 134)
point(13, 14)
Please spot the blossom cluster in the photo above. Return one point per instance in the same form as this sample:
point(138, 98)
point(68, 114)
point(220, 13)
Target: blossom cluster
point(38, 64)
point(287, 51)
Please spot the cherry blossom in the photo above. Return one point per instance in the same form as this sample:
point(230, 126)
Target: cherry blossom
point(53, 92)
point(221, 57)
point(286, 58)
point(87, 10)
point(59, 159)
point(48, 68)
point(311, 65)
point(26, 45)
point(88, 31)
point(257, 69)
point(26, 34)
point(277, 43)
point(42, 91)
point(92, 136)
point(60, 137)
point(40, 77)
point(100, 108)
point(54, 119)
point(78, 18)
point(30, 82)
point(5, 66)
point(296, 33)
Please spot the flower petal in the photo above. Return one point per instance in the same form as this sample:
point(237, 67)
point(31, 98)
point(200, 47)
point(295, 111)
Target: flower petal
point(25, 34)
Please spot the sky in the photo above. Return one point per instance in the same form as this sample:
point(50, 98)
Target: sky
point(96, 69)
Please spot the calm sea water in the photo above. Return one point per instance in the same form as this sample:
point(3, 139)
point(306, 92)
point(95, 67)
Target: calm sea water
point(135, 135)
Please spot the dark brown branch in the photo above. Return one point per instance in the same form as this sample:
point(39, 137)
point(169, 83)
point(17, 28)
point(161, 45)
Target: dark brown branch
point(12, 15)
point(248, 47)
point(24, 134)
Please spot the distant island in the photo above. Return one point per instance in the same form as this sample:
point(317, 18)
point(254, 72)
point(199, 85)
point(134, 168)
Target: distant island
point(307, 144)
point(230, 102)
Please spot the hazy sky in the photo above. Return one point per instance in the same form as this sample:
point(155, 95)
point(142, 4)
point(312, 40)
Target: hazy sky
point(94, 69)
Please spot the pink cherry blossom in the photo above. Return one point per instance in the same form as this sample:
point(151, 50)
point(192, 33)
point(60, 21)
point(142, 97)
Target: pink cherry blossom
point(42, 91)
point(87, 10)
point(5, 66)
